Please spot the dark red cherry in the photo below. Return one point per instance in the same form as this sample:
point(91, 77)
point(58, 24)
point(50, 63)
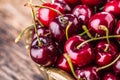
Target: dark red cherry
point(45, 15)
point(88, 73)
point(80, 56)
point(110, 76)
point(112, 49)
point(103, 18)
point(103, 58)
point(116, 67)
point(93, 2)
point(63, 64)
point(113, 7)
point(83, 13)
point(73, 2)
point(44, 54)
point(58, 27)
point(117, 30)
point(62, 3)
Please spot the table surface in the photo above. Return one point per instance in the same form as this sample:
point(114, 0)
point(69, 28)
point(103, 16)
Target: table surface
point(14, 61)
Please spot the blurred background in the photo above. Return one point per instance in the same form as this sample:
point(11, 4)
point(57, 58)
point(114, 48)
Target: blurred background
point(14, 61)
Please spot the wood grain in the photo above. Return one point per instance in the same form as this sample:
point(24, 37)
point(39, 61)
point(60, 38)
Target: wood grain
point(14, 61)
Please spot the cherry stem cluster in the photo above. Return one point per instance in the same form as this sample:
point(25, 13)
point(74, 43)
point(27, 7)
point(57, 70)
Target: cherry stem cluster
point(106, 66)
point(98, 38)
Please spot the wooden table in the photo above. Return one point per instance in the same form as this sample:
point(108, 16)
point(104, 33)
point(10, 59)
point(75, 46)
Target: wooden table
point(14, 61)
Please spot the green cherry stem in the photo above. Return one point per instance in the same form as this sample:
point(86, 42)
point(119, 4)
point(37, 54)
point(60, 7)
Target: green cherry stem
point(102, 27)
point(67, 57)
point(106, 66)
point(99, 38)
point(43, 1)
point(87, 31)
point(21, 34)
point(33, 15)
point(69, 24)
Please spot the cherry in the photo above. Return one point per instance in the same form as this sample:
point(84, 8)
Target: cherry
point(101, 47)
point(103, 58)
point(63, 64)
point(83, 13)
point(45, 15)
point(87, 73)
point(43, 31)
point(73, 2)
point(58, 27)
point(117, 30)
point(113, 8)
point(67, 8)
point(93, 2)
point(109, 76)
point(101, 19)
point(79, 56)
point(44, 54)
point(116, 67)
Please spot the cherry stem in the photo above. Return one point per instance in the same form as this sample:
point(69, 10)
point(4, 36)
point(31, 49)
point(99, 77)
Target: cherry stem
point(40, 6)
point(102, 27)
point(87, 31)
point(67, 57)
point(99, 38)
point(21, 34)
point(33, 15)
point(106, 66)
point(69, 24)
point(43, 1)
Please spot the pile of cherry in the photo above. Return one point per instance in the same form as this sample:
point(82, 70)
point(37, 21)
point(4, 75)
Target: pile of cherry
point(81, 37)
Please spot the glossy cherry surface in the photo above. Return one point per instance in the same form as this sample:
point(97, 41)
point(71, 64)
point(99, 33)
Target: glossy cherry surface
point(58, 27)
point(103, 58)
point(88, 73)
point(44, 54)
point(45, 15)
point(63, 64)
point(65, 5)
point(117, 30)
point(116, 67)
point(83, 13)
point(79, 56)
point(73, 2)
point(113, 7)
point(112, 49)
point(102, 18)
point(93, 2)
point(110, 76)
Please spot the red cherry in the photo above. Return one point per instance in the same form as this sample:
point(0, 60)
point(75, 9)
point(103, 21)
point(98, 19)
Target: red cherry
point(45, 54)
point(109, 76)
point(63, 64)
point(113, 7)
point(103, 59)
point(65, 5)
point(83, 13)
point(117, 30)
point(88, 73)
point(45, 15)
point(103, 18)
point(116, 67)
point(93, 2)
point(112, 49)
point(79, 56)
